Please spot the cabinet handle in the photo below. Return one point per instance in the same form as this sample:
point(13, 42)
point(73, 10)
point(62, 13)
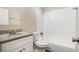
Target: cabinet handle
point(20, 51)
point(23, 48)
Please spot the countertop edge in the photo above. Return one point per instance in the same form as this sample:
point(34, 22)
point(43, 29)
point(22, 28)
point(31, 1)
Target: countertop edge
point(6, 41)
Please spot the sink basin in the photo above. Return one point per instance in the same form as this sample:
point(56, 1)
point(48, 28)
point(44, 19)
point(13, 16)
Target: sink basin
point(19, 33)
point(4, 37)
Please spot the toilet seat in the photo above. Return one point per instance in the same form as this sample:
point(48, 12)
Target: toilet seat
point(41, 43)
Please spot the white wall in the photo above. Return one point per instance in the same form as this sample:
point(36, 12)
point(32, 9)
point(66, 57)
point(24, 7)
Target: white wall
point(60, 26)
point(39, 20)
point(3, 16)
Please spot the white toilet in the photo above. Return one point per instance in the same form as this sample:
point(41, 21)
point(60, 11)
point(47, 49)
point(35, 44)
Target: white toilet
point(41, 44)
point(39, 41)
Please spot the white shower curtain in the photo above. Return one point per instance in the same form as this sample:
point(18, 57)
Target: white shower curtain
point(60, 26)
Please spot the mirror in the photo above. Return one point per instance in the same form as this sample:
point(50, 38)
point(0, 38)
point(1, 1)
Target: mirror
point(3, 16)
point(14, 15)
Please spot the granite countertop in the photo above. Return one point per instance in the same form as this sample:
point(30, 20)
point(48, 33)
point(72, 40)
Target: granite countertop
point(14, 37)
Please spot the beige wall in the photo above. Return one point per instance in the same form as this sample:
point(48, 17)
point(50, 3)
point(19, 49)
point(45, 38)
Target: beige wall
point(28, 19)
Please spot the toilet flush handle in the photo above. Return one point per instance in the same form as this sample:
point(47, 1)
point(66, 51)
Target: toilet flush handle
point(41, 33)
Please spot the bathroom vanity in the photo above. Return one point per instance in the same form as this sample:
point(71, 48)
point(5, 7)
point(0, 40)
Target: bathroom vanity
point(10, 23)
point(17, 43)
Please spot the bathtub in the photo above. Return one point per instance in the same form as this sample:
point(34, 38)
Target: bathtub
point(59, 48)
point(58, 45)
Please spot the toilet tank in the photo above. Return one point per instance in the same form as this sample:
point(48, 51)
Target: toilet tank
point(37, 36)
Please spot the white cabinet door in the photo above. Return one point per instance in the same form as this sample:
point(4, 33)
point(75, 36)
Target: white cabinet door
point(28, 47)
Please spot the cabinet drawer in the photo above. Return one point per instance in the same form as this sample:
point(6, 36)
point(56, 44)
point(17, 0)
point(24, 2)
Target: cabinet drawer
point(17, 43)
point(25, 48)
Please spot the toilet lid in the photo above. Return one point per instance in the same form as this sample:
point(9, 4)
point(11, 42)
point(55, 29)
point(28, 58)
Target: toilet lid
point(41, 42)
